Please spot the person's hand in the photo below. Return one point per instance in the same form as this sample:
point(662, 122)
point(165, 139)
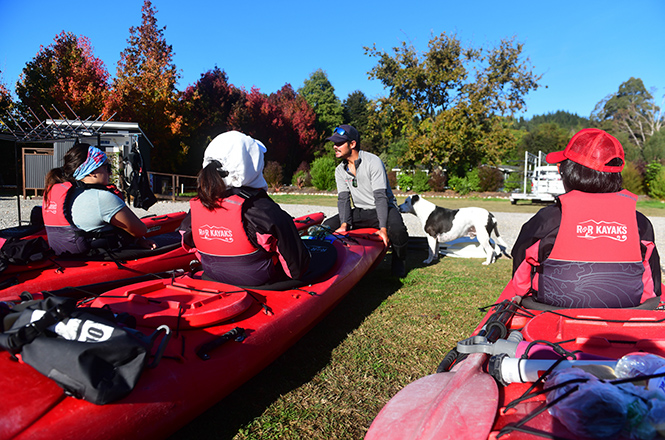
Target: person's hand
point(343, 228)
point(146, 243)
point(383, 233)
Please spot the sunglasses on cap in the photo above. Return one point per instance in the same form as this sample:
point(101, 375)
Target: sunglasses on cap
point(339, 131)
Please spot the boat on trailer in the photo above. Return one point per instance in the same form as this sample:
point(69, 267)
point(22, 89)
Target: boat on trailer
point(204, 360)
point(494, 384)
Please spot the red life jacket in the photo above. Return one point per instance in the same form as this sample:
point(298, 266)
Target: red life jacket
point(226, 253)
point(597, 259)
point(220, 232)
point(63, 236)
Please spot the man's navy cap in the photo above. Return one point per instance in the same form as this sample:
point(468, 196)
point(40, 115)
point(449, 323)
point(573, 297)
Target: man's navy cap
point(344, 133)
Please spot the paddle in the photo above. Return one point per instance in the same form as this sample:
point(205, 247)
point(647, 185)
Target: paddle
point(460, 403)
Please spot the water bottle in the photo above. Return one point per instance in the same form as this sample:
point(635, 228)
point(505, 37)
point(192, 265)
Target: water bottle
point(639, 364)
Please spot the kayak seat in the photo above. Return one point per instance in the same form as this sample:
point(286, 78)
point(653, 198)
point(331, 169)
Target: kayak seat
point(530, 303)
point(324, 256)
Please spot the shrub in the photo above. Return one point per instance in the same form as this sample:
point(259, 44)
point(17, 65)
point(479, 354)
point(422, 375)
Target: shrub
point(302, 178)
point(405, 181)
point(323, 173)
point(632, 178)
point(490, 178)
point(656, 186)
point(464, 185)
point(437, 180)
point(273, 175)
point(513, 181)
point(420, 179)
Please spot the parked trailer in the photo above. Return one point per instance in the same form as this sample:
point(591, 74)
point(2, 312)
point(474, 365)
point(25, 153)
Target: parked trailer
point(544, 180)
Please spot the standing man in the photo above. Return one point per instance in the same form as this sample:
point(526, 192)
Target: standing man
point(361, 177)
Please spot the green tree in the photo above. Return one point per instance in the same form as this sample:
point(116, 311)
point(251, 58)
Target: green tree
point(546, 137)
point(631, 110)
point(145, 90)
point(320, 96)
point(654, 147)
point(65, 73)
point(452, 101)
point(357, 112)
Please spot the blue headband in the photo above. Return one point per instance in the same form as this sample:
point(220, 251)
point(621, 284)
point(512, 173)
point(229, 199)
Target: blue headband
point(95, 159)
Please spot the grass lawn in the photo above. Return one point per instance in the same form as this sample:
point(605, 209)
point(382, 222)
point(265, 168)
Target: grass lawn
point(385, 334)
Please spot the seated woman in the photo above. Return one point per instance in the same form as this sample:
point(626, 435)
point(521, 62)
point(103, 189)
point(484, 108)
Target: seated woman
point(80, 212)
point(241, 235)
point(592, 248)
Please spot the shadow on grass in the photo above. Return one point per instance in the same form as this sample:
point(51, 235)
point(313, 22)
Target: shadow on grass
point(300, 363)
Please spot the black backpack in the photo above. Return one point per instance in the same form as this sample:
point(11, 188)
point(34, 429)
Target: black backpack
point(23, 251)
point(86, 351)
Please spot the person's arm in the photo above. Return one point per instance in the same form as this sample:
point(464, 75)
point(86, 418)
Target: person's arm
point(273, 229)
point(343, 201)
point(126, 220)
point(344, 209)
point(542, 225)
point(381, 203)
point(647, 234)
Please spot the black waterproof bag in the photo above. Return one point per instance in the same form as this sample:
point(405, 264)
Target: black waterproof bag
point(86, 351)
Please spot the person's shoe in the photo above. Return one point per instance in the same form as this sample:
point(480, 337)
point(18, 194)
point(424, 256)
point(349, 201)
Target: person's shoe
point(398, 269)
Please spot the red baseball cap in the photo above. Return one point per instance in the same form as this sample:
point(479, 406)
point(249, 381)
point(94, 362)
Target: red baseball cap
point(593, 148)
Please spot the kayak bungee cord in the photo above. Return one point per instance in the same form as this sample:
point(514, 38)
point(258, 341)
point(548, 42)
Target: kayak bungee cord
point(494, 329)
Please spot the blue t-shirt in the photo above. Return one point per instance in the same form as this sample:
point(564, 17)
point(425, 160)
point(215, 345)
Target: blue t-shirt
point(93, 209)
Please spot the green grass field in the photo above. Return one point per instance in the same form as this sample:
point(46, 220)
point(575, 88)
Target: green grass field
point(385, 334)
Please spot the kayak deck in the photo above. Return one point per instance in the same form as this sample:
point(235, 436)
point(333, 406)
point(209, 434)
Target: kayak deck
point(187, 381)
point(433, 407)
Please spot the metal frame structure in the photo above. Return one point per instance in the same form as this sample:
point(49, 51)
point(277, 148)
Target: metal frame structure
point(17, 128)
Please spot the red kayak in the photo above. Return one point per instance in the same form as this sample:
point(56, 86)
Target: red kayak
point(194, 373)
point(495, 387)
point(62, 272)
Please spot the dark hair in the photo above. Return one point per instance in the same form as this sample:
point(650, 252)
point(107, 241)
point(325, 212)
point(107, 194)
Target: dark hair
point(71, 161)
point(210, 186)
point(581, 178)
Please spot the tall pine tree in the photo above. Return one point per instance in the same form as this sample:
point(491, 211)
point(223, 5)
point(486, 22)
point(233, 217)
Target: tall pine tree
point(145, 89)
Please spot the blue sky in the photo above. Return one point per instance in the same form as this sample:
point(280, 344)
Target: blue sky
point(583, 49)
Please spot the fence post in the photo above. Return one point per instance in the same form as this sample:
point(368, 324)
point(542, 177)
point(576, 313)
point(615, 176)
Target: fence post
point(173, 187)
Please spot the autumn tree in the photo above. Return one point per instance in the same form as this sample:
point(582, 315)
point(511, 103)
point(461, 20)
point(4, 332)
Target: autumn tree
point(320, 94)
point(205, 108)
point(283, 121)
point(452, 102)
point(144, 90)
point(631, 110)
point(64, 73)
point(6, 102)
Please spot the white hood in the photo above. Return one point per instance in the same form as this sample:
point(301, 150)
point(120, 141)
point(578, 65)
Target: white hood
point(241, 156)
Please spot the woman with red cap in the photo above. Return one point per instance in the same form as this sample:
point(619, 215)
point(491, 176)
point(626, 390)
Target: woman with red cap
point(591, 248)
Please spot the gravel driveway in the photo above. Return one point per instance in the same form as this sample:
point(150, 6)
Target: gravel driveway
point(509, 223)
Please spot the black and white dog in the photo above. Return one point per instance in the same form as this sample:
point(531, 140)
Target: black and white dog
point(443, 225)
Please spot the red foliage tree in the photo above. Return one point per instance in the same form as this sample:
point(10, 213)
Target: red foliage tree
point(65, 72)
point(283, 121)
point(205, 107)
